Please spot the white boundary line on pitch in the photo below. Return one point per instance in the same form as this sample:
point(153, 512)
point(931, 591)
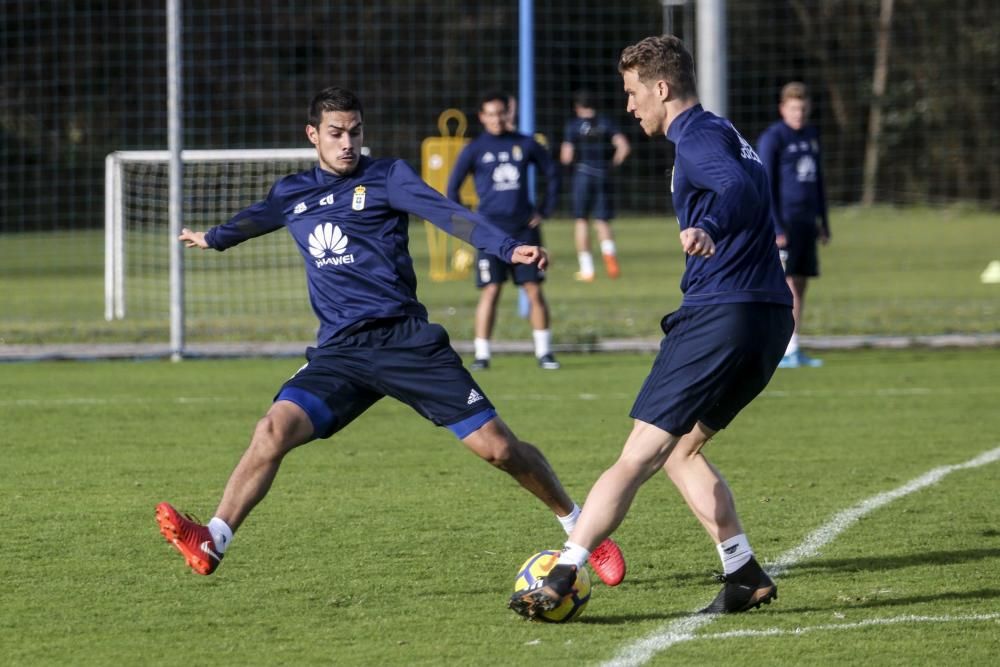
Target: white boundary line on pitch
point(892, 620)
point(684, 629)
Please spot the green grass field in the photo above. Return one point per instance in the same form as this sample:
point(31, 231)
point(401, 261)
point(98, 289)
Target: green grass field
point(391, 545)
point(887, 272)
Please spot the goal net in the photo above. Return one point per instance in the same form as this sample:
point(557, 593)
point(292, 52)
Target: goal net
point(253, 293)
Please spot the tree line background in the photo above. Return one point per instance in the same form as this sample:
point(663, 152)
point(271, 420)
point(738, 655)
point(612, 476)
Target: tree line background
point(83, 78)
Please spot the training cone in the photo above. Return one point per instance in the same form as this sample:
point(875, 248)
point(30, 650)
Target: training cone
point(991, 275)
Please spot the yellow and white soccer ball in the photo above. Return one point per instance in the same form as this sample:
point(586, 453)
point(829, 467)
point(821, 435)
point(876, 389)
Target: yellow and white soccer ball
point(572, 605)
point(462, 260)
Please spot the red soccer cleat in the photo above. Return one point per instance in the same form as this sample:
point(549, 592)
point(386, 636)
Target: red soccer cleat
point(611, 264)
point(190, 538)
point(608, 563)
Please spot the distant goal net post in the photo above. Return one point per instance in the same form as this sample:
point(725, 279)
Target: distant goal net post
point(255, 292)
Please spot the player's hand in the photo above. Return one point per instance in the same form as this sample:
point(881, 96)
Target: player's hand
point(824, 236)
point(536, 220)
point(697, 242)
point(530, 254)
point(780, 240)
point(193, 239)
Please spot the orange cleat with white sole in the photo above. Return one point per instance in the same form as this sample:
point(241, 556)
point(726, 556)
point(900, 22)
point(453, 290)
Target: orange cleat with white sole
point(190, 538)
point(611, 264)
point(608, 563)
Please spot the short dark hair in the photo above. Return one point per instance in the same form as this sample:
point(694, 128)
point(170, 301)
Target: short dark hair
point(333, 99)
point(664, 57)
point(494, 96)
point(583, 98)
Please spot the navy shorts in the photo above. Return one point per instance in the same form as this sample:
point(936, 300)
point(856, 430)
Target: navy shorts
point(800, 256)
point(406, 358)
point(712, 362)
point(492, 269)
point(592, 196)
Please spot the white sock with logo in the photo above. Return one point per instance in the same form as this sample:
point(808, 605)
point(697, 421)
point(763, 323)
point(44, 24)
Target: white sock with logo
point(569, 521)
point(543, 342)
point(573, 554)
point(482, 348)
point(586, 263)
point(608, 247)
point(222, 534)
point(734, 553)
point(793, 344)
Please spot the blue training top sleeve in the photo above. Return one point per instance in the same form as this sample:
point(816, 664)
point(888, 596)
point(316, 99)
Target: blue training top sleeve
point(710, 167)
point(768, 148)
point(408, 192)
point(259, 219)
point(461, 169)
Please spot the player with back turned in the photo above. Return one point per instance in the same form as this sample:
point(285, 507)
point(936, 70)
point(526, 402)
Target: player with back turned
point(349, 217)
point(720, 348)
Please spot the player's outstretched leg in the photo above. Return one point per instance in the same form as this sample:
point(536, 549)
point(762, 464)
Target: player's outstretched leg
point(745, 589)
point(545, 594)
point(190, 538)
point(608, 563)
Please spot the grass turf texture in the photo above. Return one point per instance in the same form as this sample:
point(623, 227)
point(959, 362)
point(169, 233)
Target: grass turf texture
point(887, 272)
point(389, 544)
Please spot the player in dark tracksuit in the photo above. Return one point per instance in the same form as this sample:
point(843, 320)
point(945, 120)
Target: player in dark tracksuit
point(349, 217)
point(790, 152)
point(721, 346)
point(499, 160)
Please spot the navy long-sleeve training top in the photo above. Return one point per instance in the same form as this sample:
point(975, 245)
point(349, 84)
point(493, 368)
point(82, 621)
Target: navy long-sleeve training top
point(352, 232)
point(500, 170)
point(592, 145)
point(792, 161)
point(719, 186)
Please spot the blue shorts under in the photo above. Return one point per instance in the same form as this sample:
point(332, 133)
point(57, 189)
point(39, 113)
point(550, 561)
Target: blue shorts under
point(406, 358)
point(592, 196)
point(492, 269)
point(712, 362)
point(800, 257)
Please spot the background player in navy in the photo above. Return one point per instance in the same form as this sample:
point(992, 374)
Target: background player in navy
point(499, 160)
point(720, 348)
point(791, 156)
point(595, 147)
point(349, 218)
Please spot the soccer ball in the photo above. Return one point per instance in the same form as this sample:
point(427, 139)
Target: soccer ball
point(572, 605)
point(462, 260)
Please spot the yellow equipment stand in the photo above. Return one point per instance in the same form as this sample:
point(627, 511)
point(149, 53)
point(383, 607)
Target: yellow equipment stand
point(451, 259)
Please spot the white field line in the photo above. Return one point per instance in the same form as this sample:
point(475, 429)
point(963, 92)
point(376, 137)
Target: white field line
point(893, 620)
point(684, 629)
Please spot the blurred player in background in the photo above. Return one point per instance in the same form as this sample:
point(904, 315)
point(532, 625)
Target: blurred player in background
point(722, 345)
point(595, 147)
point(499, 161)
point(349, 217)
point(791, 156)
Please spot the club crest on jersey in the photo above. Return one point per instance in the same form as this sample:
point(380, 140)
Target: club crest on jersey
point(517, 153)
point(358, 203)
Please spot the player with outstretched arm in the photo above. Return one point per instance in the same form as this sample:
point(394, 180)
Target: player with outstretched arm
point(349, 217)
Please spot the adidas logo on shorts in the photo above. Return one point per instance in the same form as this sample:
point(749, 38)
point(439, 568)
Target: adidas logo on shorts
point(473, 397)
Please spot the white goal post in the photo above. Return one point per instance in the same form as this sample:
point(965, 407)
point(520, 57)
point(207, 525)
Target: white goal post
point(259, 287)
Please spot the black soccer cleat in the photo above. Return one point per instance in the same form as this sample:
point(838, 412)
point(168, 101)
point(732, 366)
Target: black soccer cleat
point(746, 589)
point(480, 365)
point(545, 594)
point(548, 363)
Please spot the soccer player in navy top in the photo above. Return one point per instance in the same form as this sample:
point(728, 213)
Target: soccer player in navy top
point(789, 150)
point(349, 218)
point(499, 160)
point(721, 346)
point(595, 147)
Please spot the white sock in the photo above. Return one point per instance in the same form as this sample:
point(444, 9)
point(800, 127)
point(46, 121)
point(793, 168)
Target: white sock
point(793, 344)
point(573, 554)
point(734, 553)
point(222, 534)
point(586, 263)
point(543, 342)
point(482, 347)
point(608, 247)
point(569, 521)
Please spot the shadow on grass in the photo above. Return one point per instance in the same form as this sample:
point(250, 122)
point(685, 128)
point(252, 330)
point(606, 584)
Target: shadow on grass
point(880, 602)
point(878, 564)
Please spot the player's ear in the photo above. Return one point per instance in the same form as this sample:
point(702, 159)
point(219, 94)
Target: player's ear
point(313, 135)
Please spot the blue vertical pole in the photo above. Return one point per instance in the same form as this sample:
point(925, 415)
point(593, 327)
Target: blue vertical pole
point(526, 102)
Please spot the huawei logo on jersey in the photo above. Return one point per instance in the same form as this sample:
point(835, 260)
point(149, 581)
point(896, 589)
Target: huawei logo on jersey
point(506, 177)
point(328, 244)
